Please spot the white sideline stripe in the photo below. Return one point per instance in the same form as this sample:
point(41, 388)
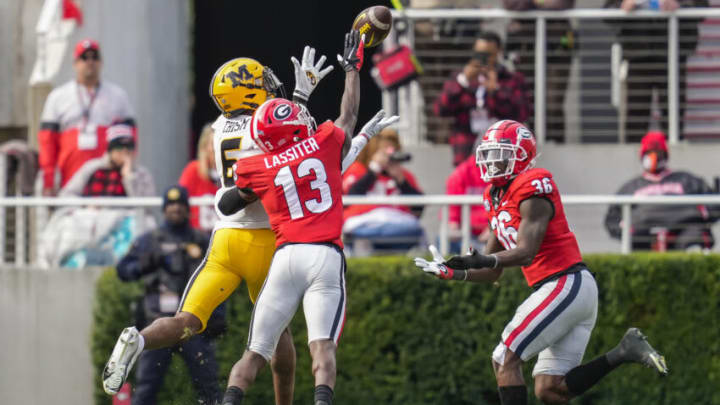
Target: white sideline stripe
point(436, 199)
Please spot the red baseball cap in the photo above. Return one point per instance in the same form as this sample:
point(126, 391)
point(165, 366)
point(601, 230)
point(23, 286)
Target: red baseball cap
point(653, 140)
point(85, 45)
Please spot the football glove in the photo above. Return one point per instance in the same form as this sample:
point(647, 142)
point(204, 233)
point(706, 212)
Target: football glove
point(308, 74)
point(437, 268)
point(472, 260)
point(353, 54)
point(377, 124)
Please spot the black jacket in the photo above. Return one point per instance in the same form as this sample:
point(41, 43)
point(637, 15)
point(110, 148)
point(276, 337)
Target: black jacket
point(688, 224)
point(164, 259)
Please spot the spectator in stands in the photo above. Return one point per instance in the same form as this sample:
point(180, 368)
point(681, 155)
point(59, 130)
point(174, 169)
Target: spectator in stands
point(560, 42)
point(76, 116)
point(164, 260)
point(114, 174)
point(466, 180)
point(201, 179)
point(645, 47)
point(661, 227)
point(379, 171)
point(21, 167)
point(483, 92)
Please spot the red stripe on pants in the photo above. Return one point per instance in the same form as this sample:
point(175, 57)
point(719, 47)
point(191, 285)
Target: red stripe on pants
point(536, 311)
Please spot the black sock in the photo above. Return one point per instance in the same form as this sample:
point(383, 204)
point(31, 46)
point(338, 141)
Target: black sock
point(582, 377)
point(323, 395)
point(233, 396)
point(513, 395)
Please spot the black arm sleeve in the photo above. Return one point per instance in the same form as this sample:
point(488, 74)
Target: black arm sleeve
point(231, 202)
point(364, 184)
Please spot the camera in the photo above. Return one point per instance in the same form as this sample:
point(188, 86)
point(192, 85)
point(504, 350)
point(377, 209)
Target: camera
point(482, 57)
point(400, 157)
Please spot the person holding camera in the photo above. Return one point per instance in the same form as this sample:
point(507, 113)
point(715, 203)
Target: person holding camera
point(379, 170)
point(482, 93)
point(165, 259)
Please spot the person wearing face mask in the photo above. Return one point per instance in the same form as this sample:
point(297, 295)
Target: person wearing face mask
point(164, 260)
point(484, 92)
point(201, 178)
point(664, 227)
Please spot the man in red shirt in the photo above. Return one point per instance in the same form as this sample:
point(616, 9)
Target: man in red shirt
point(76, 116)
point(299, 181)
point(530, 230)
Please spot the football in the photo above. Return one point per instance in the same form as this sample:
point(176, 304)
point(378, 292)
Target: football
point(375, 22)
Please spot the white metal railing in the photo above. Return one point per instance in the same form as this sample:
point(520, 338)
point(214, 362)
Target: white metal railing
point(414, 110)
point(22, 204)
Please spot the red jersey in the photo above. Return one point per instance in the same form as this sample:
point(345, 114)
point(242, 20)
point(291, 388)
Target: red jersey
point(301, 187)
point(559, 249)
point(466, 179)
point(201, 217)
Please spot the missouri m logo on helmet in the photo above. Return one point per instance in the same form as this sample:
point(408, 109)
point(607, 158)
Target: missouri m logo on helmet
point(242, 75)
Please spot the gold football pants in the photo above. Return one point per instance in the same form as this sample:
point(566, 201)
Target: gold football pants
point(234, 255)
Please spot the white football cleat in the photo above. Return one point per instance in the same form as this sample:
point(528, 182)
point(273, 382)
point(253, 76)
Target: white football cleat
point(127, 349)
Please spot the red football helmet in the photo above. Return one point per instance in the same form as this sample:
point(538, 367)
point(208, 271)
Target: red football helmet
point(507, 149)
point(279, 123)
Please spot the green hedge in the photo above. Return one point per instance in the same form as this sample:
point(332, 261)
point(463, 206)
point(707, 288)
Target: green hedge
point(410, 339)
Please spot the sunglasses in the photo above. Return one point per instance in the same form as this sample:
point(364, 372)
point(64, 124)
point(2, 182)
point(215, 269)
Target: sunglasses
point(90, 56)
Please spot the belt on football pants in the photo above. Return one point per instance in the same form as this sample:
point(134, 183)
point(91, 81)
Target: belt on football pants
point(575, 268)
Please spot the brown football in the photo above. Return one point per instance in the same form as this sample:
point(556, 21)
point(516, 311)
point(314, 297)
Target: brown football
point(375, 22)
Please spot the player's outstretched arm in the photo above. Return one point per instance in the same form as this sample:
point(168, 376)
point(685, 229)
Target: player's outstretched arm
point(351, 61)
point(370, 129)
point(308, 74)
point(233, 199)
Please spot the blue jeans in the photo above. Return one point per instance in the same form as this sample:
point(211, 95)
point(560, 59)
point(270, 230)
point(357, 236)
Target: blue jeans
point(381, 235)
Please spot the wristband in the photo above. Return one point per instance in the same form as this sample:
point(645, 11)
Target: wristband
point(459, 275)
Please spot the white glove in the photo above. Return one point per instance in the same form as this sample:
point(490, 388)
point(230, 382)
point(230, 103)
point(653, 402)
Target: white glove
point(435, 267)
point(377, 124)
point(308, 75)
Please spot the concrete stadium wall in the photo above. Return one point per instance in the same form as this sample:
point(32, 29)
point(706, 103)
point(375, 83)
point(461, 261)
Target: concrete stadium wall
point(45, 336)
point(146, 49)
point(577, 169)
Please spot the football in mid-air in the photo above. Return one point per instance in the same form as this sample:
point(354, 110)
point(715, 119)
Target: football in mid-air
point(375, 22)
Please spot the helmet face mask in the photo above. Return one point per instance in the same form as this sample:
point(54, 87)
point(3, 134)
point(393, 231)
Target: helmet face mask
point(241, 85)
point(507, 149)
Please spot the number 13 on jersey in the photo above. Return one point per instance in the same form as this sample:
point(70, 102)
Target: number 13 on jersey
point(285, 179)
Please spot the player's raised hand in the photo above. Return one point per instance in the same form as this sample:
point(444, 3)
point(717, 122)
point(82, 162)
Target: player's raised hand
point(436, 266)
point(308, 74)
point(353, 54)
point(377, 124)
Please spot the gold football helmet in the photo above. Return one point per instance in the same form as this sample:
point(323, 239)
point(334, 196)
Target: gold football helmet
point(243, 84)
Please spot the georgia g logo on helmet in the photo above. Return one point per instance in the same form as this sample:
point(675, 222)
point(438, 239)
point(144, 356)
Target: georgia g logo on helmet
point(282, 111)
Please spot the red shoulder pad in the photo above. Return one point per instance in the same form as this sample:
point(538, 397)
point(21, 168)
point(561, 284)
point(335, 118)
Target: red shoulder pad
point(328, 129)
point(534, 182)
